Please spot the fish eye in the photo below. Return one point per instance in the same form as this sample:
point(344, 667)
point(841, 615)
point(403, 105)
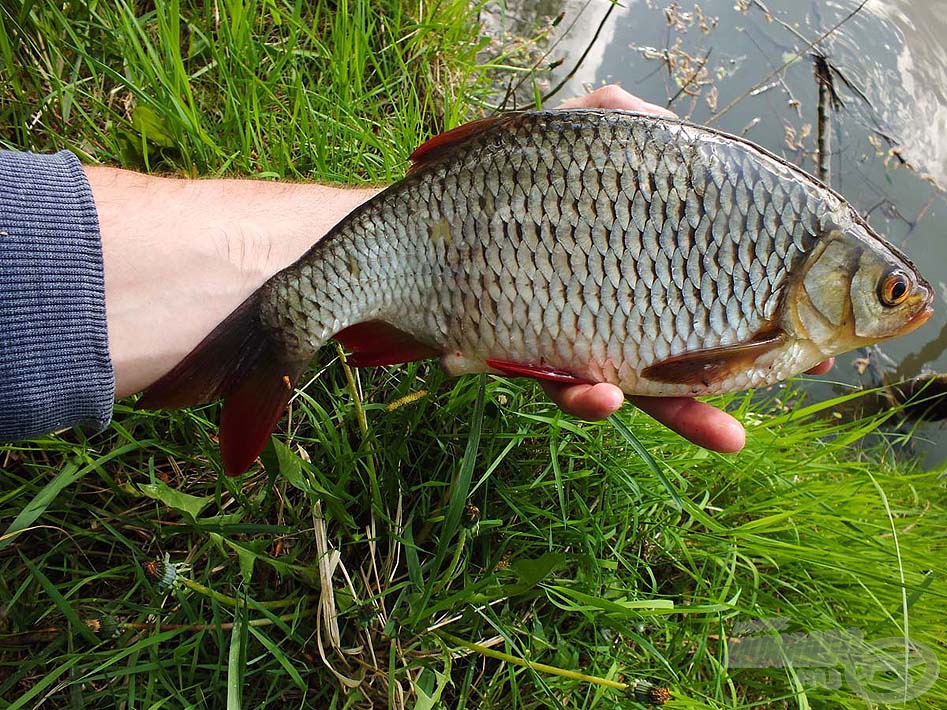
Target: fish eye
point(893, 289)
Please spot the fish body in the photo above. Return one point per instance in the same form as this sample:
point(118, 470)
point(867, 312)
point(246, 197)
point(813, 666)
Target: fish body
point(580, 246)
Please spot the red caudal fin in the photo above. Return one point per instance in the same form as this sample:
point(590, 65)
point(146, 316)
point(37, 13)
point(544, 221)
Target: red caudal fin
point(375, 342)
point(250, 414)
point(237, 362)
point(540, 372)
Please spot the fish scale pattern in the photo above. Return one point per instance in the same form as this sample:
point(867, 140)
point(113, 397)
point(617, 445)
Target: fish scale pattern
point(589, 241)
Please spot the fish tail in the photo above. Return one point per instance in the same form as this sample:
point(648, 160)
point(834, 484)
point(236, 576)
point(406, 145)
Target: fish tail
point(239, 362)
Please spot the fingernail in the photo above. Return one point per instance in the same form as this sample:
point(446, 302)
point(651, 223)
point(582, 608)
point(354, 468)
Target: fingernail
point(654, 108)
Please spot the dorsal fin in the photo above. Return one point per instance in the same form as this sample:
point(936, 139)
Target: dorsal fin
point(437, 146)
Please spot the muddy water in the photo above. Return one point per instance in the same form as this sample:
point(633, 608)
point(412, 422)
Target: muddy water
point(891, 59)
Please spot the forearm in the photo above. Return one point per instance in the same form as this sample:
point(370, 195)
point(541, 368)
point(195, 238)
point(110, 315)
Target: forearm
point(180, 255)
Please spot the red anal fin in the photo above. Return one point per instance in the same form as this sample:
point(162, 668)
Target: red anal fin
point(375, 342)
point(539, 372)
point(444, 142)
point(704, 367)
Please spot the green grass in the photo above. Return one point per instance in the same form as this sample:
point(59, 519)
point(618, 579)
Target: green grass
point(473, 513)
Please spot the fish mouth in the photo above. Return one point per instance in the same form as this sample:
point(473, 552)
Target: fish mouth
point(918, 319)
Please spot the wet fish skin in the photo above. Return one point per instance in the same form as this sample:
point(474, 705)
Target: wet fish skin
point(579, 245)
point(595, 242)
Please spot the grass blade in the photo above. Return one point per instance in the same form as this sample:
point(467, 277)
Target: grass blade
point(629, 436)
point(235, 666)
point(60, 601)
point(69, 474)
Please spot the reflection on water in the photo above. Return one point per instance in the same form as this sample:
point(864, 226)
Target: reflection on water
point(904, 74)
point(922, 63)
point(929, 352)
point(892, 64)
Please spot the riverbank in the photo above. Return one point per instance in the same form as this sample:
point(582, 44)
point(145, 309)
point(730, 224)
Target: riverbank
point(132, 574)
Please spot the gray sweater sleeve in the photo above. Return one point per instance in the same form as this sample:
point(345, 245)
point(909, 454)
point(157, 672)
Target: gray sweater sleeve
point(55, 370)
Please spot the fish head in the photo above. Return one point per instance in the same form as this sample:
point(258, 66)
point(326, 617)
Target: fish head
point(855, 289)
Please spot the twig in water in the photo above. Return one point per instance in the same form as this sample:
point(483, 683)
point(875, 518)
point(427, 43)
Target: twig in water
point(777, 70)
point(827, 100)
point(849, 84)
point(511, 88)
point(793, 102)
point(937, 192)
point(588, 49)
point(691, 78)
point(779, 21)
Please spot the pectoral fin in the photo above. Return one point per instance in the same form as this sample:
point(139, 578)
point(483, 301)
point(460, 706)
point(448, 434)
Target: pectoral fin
point(704, 367)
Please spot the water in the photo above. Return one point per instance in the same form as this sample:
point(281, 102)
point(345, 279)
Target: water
point(892, 52)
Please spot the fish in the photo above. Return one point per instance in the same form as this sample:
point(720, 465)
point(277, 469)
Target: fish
point(570, 245)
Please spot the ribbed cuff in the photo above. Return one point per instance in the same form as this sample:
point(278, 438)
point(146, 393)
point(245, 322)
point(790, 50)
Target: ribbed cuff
point(55, 370)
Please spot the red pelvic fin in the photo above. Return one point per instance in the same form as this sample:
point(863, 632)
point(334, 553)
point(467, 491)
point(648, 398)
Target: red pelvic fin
point(375, 342)
point(444, 142)
point(238, 362)
point(540, 372)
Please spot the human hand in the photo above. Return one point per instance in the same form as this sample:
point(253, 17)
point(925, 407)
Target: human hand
point(697, 422)
point(613, 96)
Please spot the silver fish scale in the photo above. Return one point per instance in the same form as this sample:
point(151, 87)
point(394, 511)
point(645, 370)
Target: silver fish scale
point(594, 242)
